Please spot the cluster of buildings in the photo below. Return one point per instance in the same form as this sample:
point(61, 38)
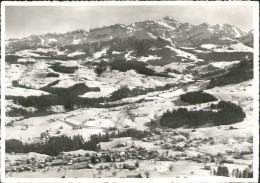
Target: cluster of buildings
point(167, 140)
point(164, 139)
point(82, 161)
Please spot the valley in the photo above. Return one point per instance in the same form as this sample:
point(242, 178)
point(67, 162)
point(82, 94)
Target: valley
point(157, 98)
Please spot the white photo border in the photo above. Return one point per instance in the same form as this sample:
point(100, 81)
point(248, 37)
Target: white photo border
point(255, 5)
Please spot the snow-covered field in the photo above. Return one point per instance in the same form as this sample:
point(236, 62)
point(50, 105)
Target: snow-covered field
point(239, 47)
point(98, 120)
point(159, 169)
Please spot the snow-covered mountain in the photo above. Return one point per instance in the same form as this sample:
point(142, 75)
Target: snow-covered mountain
point(179, 34)
point(248, 39)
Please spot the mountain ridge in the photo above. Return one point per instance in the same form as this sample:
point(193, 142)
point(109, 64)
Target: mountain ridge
point(182, 34)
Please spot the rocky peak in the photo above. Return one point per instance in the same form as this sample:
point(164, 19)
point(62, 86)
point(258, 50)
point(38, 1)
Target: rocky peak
point(205, 24)
point(168, 28)
point(250, 32)
point(170, 19)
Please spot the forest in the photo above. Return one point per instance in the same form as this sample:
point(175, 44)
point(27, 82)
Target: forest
point(124, 65)
point(226, 113)
point(55, 145)
point(237, 74)
point(197, 97)
point(69, 99)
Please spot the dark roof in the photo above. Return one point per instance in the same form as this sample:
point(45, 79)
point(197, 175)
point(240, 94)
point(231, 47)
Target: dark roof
point(134, 176)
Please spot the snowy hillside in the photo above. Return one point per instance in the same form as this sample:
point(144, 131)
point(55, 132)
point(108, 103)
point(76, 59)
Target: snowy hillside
point(135, 87)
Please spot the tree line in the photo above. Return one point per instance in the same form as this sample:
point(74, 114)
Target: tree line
point(197, 97)
point(243, 71)
point(123, 66)
point(68, 99)
point(55, 145)
point(227, 113)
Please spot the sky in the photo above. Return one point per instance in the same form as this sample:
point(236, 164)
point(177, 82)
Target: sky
point(23, 21)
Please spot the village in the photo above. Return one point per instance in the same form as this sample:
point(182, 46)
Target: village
point(128, 154)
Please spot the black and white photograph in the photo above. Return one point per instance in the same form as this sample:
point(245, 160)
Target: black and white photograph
point(130, 90)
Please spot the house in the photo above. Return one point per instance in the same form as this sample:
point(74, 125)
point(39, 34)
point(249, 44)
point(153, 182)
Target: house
point(58, 163)
point(134, 176)
point(26, 168)
point(24, 127)
point(188, 158)
point(83, 159)
point(146, 140)
point(70, 162)
point(117, 160)
point(122, 153)
point(52, 120)
point(139, 157)
point(82, 166)
point(142, 152)
point(105, 47)
point(41, 166)
point(144, 158)
point(153, 154)
point(207, 167)
point(129, 167)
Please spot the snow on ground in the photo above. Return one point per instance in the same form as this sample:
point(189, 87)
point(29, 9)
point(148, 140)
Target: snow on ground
point(116, 52)
point(84, 73)
point(80, 152)
point(76, 53)
point(51, 40)
point(7, 42)
point(13, 72)
point(210, 29)
point(241, 47)
point(103, 52)
point(128, 142)
point(27, 53)
point(222, 148)
point(45, 50)
point(157, 169)
point(128, 55)
point(150, 57)
point(234, 92)
point(105, 91)
point(188, 48)
point(224, 64)
point(23, 157)
point(76, 41)
point(82, 121)
point(66, 83)
point(178, 66)
point(151, 35)
point(164, 24)
point(26, 60)
point(236, 32)
point(42, 40)
point(48, 50)
point(34, 76)
point(183, 54)
point(52, 123)
point(93, 120)
point(33, 132)
point(238, 47)
point(132, 79)
point(69, 63)
point(208, 46)
point(241, 94)
point(15, 91)
point(227, 38)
